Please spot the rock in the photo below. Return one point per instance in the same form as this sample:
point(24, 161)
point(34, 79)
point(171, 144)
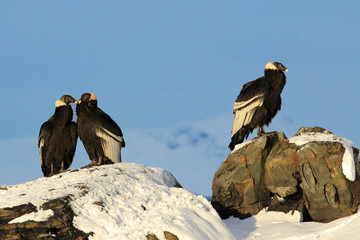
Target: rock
point(167, 235)
point(304, 173)
point(8, 214)
point(238, 186)
point(59, 226)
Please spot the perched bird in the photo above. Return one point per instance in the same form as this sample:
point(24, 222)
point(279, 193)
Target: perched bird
point(101, 136)
point(57, 138)
point(258, 103)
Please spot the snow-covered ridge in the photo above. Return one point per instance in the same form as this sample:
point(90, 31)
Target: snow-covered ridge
point(122, 201)
point(348, 163)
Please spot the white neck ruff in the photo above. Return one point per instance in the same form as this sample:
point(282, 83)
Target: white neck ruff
point(59, 103)
point(271, 66)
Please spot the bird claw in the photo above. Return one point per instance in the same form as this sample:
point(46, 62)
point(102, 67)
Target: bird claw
point(92, 164)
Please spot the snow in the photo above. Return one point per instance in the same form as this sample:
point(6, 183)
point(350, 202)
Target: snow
point(39, 216)
point(241, 145)
point(280, 226)
point(122, 201)
point(348, 163)
point(128, 201)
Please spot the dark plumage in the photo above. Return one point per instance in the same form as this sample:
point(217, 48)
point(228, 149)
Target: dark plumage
point(258, 103)
point(101, 136)
point(57, 139)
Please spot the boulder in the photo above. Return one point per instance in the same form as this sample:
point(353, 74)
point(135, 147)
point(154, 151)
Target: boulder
point(238, 186)
point(314, 172)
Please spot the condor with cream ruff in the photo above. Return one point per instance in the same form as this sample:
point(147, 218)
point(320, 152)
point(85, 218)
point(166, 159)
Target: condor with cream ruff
point(101, 136)
point(258, 103)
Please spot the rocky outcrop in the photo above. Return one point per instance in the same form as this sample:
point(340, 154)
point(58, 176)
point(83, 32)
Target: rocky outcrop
point(314, 172)
point(118, 201)
point(58, 226)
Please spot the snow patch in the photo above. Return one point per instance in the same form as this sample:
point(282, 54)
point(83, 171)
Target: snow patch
point(39, 216)
point(241, 145)
point(348, 163)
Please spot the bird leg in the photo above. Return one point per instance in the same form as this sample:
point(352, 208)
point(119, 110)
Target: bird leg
point(51, 170)
point(93, 163)
point(62, 168)
point(260, 130)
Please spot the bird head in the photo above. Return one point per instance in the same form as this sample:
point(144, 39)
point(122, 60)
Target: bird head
point(276, 66)
point(65, 100)
point(88, 98)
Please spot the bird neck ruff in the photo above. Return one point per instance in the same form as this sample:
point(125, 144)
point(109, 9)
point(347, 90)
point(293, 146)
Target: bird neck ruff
point(59, 103)
point(270, 66)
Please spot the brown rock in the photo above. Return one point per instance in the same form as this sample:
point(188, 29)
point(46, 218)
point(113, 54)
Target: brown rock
point(168, 236)
point(151, 237)
point(238, 186)
point(59, 226)
point(328, 193)
point(272, 172)
point(280, 167)
point(8, 214)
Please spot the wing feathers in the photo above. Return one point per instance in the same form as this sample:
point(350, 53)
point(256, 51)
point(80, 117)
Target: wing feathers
point(244, 112)
point(111, 144)
point(41, 144)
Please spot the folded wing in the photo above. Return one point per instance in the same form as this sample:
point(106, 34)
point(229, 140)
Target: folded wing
point(111, 144)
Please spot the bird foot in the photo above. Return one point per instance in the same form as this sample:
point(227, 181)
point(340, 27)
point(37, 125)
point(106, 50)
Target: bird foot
point(92, 164)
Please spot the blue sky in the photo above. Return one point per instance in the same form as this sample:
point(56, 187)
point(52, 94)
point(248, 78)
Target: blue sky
point(158, 64)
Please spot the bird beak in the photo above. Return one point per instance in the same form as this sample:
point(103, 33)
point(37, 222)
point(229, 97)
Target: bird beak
point(286, 70)
point(76, 102)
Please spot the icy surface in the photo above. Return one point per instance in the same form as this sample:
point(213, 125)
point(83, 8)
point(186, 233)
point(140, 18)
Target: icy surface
point(348, 163)
point(123, 201)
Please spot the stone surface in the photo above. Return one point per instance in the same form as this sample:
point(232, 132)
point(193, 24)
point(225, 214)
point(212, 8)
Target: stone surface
point(167, 235)
point(271, 172)
point(238, 186)
point(59, 226)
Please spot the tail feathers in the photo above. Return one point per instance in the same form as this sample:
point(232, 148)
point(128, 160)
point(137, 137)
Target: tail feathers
point(239, 136)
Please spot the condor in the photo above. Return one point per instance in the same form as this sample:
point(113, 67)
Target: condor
point(57, 139)
point(258, 103)
point(101, 136)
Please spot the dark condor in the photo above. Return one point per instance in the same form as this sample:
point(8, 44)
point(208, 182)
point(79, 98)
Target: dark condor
point(57, 138)
point(258, 103)
point(101, 136)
